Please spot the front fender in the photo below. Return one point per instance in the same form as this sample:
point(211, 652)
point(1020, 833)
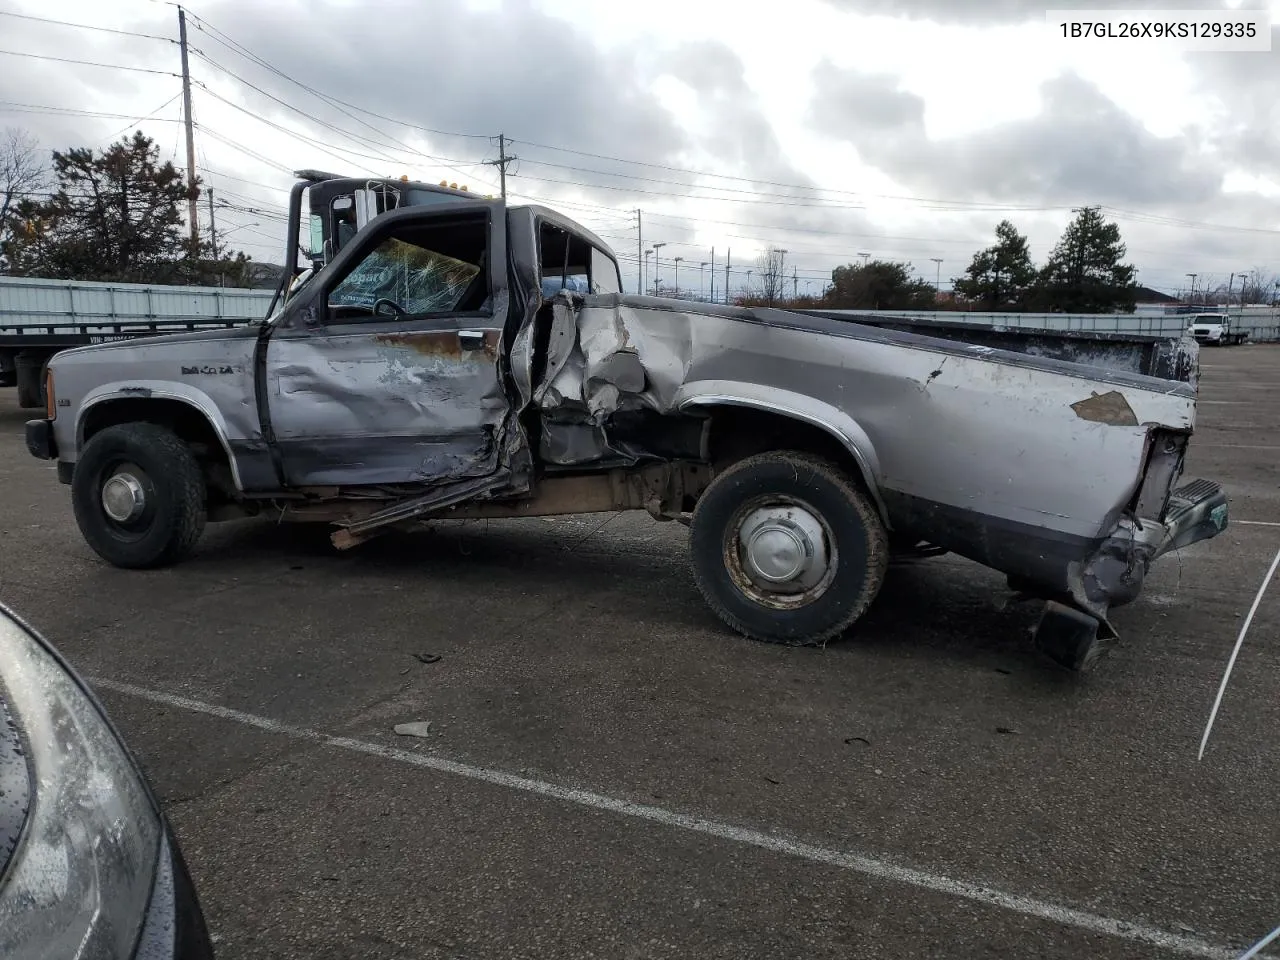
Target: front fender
point(832, 420)
point(158, 390)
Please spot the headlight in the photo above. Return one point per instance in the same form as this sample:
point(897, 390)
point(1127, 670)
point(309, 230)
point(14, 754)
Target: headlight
point(78, 884)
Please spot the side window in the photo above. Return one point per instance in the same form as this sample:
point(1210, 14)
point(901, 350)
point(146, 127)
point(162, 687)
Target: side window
point(418, 270)
point(604, 273)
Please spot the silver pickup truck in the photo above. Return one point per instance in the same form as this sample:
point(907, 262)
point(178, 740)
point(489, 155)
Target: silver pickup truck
point(472, 359)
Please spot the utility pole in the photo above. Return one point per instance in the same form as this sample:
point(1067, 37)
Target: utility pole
point(676, 276)
point(213, 237)
point(713, 274)
point(1231, 283)
point(192, 192)
point(647, 253)
point(702, 280)
point(795, 283)
point(937, 280)
point(639, 252)
point(1193, 286)
point(728, 255)
point(501, 164)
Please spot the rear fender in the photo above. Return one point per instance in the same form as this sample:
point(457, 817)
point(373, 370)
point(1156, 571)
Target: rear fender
point(832, 420)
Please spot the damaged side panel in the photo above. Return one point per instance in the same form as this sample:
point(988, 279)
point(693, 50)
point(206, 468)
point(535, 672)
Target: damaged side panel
point(387, 407)
point(982, 446)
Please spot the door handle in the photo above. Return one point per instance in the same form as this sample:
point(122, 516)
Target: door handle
point(471, 339)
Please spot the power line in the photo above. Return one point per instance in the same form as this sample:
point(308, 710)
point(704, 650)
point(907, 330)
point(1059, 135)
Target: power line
point(218, 37)
point(205, 128)
point(86, 26)
point(381, 155)
point(149, 116)
point(244, 51)
point(88, 63)
point(929, 203)
point(9, 106)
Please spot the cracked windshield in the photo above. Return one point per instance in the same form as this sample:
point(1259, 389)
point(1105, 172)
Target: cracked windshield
point(539, 479)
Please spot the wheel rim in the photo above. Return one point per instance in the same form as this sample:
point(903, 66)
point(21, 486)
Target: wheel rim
point(127, 497)
point(780, 551)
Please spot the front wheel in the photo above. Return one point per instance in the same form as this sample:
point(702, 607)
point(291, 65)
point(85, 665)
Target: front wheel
point(787, 549)
point(139, 496)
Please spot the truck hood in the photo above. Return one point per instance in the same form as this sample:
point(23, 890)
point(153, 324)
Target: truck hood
point(165, 341)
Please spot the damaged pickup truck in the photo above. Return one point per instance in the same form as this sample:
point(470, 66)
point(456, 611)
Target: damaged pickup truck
point(444, 363)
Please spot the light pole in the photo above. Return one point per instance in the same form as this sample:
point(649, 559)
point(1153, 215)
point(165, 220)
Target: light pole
point(702, 280)
point(647, 253)
point(748, 284)
point(865, 257)
point(676, 276)
point(1193, 287)
point(937, 280)
point(782, 277)
point(657, 264)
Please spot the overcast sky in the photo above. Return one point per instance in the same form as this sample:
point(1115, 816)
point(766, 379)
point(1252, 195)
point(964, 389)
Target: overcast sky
point(903, 129)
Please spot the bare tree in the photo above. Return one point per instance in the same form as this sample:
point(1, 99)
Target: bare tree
point(1257, 286)
point(769, 267)
point(22, 173)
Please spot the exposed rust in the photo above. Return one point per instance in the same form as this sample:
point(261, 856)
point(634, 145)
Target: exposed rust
point(660, 489)
point(439, 343)
point(1110, 408)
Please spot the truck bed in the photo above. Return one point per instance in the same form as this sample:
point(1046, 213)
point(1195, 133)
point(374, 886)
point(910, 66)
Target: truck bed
point(1168, 358)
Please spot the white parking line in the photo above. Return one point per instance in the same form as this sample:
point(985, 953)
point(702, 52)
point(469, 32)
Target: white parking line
point(844, 860)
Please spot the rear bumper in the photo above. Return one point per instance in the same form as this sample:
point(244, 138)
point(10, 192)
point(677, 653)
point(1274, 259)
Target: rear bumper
point(1114, 574)
point(40, 441)
point(1196, 512)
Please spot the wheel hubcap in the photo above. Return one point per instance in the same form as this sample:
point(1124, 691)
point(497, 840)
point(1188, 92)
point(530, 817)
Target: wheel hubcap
point(784, 549)
point(123, 498)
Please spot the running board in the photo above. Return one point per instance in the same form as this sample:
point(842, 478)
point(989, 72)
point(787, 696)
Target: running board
point(441, 497)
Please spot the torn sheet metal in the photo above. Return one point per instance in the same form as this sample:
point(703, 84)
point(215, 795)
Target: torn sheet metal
point(1025, 440)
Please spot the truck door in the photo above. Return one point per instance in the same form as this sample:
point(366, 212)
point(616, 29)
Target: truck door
point(385, 369)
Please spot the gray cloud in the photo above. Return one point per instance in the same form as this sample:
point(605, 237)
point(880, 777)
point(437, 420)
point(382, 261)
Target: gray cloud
point(738, 133)
point(982, 12)
point(537, 78)
point(1081, 148)
point(1247, 127)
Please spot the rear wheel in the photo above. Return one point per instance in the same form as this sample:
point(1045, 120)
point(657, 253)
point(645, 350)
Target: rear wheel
point(787, 549)
point(139, 496)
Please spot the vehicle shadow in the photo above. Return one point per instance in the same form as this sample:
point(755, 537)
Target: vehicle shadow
point(945, 608)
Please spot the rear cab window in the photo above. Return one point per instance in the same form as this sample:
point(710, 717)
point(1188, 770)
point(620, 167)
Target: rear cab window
point(567, 261)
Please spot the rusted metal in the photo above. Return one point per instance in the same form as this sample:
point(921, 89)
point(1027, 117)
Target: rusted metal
point(442, 343)
point(658, 489)
point(1110, 407)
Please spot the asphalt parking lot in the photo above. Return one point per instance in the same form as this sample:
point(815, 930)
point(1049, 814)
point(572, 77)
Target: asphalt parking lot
point(610, 773)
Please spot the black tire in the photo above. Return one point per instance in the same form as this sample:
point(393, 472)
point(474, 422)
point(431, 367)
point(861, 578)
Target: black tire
point(29, 379)
point(848, 519)
point(172, 516)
